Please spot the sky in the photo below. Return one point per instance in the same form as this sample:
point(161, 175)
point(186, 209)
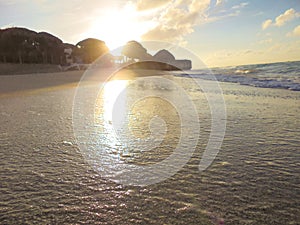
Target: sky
point(218, 32)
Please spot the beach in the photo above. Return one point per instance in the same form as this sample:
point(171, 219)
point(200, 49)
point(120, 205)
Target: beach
point(45, 179)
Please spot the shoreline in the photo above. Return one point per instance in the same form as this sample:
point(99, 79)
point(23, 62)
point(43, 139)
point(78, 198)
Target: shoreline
point(39, 152)
point(17, 82)
point(240, 75)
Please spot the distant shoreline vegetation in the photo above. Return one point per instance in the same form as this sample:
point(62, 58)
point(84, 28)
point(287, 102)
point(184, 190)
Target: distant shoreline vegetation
point(24, 46)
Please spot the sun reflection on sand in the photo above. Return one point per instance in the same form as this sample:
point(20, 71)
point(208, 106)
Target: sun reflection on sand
point(108, 108)
point(124, 120)
point(111, 92)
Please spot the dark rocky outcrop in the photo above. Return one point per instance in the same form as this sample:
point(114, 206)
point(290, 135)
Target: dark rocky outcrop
point(152, 65)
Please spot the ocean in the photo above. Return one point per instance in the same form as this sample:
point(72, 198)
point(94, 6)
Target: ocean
point(284, 75)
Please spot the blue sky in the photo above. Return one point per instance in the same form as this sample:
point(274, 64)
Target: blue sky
point(219, 32)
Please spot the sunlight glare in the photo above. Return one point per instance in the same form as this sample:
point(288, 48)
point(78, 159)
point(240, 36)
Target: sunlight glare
point(116, 26)
point(111, 92)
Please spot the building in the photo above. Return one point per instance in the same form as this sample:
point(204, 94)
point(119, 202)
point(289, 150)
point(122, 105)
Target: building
point(165, 56)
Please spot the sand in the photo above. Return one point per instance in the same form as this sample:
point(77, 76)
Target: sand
point(254, 179)
point(13, 68)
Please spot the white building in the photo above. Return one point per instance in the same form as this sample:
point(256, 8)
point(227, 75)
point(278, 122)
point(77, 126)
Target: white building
point(167, 57)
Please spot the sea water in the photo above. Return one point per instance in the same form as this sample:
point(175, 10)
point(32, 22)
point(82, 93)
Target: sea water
point(285, 75)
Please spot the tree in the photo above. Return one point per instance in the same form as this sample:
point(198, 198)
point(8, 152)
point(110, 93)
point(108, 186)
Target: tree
point(51, 47)
point(90, 49)
point(134, 50)
point(20, 45)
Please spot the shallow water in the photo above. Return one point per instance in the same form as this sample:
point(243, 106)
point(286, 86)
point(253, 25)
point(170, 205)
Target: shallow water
point(253, 180)
point(283, 75)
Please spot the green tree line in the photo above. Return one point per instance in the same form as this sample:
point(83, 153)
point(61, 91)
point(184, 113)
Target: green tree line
point(21, 45)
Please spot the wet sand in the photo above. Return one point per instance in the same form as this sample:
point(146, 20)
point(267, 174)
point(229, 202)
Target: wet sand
point(25, 82)
point(44, 179)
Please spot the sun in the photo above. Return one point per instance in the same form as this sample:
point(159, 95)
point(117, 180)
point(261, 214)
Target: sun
point(116, 26)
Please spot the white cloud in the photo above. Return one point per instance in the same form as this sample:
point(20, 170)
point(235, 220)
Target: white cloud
point(258, 13)
point(266, 24)
point(177, 20)
point(8, 2)
point(228, 57)
point(221, 13)
point(295, 32)
point(242, 5)
point(226, 14)
point(219, 2)
point(282, 19)
point(288, 15)
point(276, 52)
point(266, 41)
point(151, 4)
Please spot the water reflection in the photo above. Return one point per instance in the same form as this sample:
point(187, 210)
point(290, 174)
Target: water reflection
point(111, 92)
point(105, 104)
point(137, 130)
